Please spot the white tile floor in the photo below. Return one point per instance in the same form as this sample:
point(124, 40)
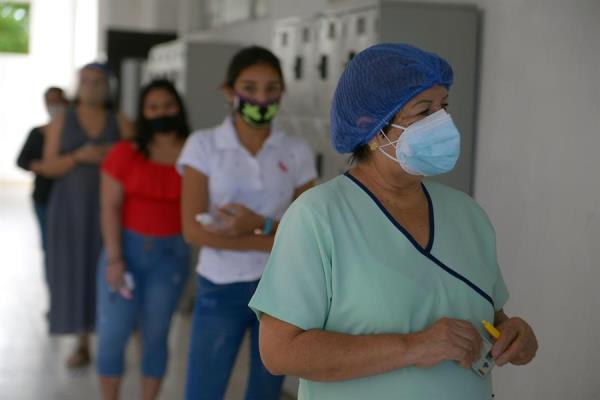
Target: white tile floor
point(31, 362)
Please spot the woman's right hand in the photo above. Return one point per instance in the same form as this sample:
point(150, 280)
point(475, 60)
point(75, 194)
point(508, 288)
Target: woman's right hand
point(90, 154)
point(114, 274)
point(447, 339)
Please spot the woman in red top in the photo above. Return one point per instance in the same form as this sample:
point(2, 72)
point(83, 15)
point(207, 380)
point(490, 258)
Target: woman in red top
point(143, 268)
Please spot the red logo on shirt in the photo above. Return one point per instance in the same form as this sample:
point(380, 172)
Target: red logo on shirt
point(282, 166)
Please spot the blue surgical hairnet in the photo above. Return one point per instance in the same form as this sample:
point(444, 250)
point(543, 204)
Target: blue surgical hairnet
point(375, 85)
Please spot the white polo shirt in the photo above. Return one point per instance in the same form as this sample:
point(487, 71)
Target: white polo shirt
point(264, 183)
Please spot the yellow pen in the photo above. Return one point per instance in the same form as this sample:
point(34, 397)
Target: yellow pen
point(491, 329)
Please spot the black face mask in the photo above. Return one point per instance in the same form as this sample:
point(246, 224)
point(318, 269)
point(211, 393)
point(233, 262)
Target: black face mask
point(164, 124)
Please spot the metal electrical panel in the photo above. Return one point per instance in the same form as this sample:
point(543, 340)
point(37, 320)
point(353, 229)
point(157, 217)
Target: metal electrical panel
point(197, 69)
point(315, 51)
point(329, 60)
point(295, 41)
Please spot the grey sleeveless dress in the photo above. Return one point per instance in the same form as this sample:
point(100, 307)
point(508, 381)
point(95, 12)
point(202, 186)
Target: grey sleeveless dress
point(73, 229)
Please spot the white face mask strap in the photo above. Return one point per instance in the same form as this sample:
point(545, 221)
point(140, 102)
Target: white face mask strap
point(390, 143)
point(398, 126)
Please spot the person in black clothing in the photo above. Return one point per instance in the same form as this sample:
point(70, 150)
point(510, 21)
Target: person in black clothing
point(31, 155)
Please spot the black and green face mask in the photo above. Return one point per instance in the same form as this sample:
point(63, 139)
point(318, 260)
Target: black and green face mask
point(256, 114)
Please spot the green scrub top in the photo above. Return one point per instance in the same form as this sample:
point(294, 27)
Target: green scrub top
point(341, 263)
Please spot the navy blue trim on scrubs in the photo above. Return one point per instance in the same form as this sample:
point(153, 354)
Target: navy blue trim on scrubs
point(426, 251)
point(431, 220)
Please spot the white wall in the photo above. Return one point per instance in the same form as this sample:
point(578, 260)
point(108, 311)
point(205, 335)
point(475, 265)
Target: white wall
point(137, 15)
point(536, 175)
point(63, 36)
point(142, 15)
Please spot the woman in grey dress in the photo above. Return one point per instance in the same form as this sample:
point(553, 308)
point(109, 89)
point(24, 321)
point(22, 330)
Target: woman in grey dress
point(74, 148)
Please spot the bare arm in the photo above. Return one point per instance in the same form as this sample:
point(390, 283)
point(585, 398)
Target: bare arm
point(111, 205)
point(194, 200)
point(53, 163)
point(329, 356)
point(238, 220)
point(500, 317)
point(126, 128)
point(301, 189)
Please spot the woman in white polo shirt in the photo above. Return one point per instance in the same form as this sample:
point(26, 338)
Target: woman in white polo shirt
point(238, 180)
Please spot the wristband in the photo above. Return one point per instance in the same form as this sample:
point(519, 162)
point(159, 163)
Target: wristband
point(268, 227)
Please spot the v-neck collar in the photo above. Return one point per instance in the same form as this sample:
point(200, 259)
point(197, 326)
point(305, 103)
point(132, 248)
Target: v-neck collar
point(398, 225)
point(426, 251)
point(86, 133)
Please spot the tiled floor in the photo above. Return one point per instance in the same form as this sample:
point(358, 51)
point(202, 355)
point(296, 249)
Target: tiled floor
point(31, 362)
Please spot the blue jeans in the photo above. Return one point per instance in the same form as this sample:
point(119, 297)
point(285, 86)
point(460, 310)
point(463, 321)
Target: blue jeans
point(40, 213)
point(159, 266)
point(221, 317)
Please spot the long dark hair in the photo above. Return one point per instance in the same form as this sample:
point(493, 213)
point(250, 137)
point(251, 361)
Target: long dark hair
point(248, 57)
point(144, 133)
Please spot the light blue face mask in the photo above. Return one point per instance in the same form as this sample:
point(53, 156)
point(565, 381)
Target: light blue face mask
point(428, 147)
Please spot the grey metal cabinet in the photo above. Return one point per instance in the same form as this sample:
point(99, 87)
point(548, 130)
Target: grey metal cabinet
point(197, 68)
point(313, 67)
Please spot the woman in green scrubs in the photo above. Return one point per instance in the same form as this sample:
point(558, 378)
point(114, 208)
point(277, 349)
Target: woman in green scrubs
point(378, 280)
